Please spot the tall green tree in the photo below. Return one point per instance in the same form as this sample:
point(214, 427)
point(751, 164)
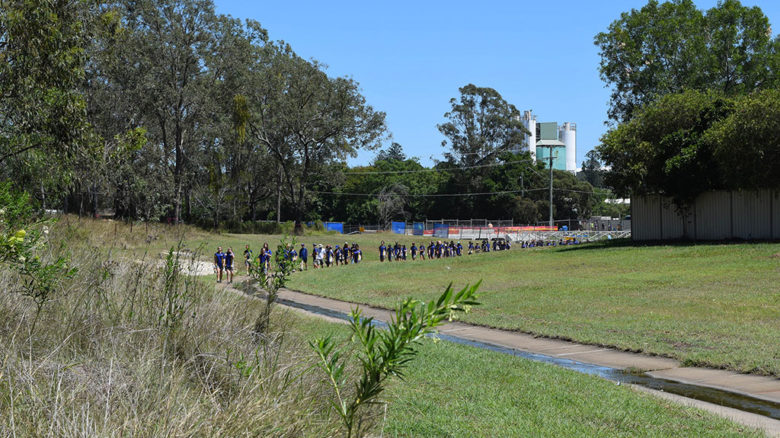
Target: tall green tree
point(43, 120)
point(308, 121)
point(592, 171)
point(167, 44)
point(393, 152)
point(672, 46)
point(664, 149)
point(480, 126)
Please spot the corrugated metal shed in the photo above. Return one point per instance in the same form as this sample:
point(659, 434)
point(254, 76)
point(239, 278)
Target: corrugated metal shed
point(751, 215)
point(673, 227)
point(775, 218)
point(646, 218)
point(713, 216)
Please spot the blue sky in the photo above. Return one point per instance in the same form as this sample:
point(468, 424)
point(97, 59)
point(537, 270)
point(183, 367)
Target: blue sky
point(411, 57)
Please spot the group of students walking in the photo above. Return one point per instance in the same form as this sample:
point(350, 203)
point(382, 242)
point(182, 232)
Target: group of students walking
point(437, 250)
point(327, 256)
point(321, 257)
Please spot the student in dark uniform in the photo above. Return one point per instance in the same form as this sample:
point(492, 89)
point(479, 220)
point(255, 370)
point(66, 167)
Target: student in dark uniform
point(247, 259)
point(304, 253)
point(422, 251)
point(403, 252)
point(345, 253)
point(356, 254)
point(413, 249)
point(219, 263)
point(459, 249)
point(328, 256)
point(229, 265)
point(382, 249)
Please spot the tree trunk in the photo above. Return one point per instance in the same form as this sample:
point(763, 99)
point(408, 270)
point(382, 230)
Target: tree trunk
point(279, 196)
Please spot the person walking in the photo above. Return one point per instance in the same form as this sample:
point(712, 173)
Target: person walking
point(219, 260)
point(229, 256)
point(304, 254)
point(247, 259)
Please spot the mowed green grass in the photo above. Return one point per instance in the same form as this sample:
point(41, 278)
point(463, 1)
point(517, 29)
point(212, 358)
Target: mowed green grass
point(710, 305)
point(455, 390)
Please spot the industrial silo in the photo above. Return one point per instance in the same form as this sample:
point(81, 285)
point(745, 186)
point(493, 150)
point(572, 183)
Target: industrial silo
point(529, 121)
point(567, 134)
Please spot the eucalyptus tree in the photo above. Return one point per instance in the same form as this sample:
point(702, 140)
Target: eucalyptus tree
point(166, 45)
point(307, 121)
point(480, 126)
point(43, 122)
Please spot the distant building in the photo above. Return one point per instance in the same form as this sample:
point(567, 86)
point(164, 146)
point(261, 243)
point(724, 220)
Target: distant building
point(547, 137)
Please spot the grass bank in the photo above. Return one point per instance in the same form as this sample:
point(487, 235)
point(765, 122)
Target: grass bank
point(709, 305)
point(456, 390)
point(128, 348)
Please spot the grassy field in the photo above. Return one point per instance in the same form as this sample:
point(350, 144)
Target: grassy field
point(112, 355)
point(712, 305)
point(455, 390)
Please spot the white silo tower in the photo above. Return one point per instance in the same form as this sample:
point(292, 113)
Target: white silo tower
point(529, 121)
point(567, 134)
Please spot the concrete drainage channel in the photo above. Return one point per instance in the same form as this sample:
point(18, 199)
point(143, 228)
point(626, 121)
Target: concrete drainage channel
point(765, 408)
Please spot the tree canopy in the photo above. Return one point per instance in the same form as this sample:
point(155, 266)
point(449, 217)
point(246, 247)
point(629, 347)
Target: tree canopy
point(167, 110)
point(687, 143)
point(669, 47)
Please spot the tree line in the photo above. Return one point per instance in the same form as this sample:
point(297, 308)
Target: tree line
point(695, 103)
point(165, 109)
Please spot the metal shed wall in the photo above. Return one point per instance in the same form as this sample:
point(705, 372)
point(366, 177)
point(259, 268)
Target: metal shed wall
point(646, 218)
point(774, 199)
point(673, 226)
point(713, 216)
point(720, 215)
point(751, 215)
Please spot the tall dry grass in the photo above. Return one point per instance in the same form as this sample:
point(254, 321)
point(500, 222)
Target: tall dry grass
point(108, 357)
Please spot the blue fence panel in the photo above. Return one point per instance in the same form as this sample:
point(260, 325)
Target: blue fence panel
point(335, 226)
point(399, 227)
point(418, 229)
point(441, 230)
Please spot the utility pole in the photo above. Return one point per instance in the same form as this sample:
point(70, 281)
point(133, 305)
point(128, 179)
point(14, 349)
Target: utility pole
point(522, 187)
point(552, 222)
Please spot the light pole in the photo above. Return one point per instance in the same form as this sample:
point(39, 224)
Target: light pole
point(552, 222)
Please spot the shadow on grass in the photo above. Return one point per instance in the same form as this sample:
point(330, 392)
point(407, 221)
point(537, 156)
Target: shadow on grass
point(624, 243)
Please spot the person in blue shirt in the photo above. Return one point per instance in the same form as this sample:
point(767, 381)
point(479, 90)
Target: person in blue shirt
point(422, 251)
point(330, 256)
point(345, 253)
point(304, 253)
point(382, 249)
point(403, 252)
point(229, 256)
point(471, 247)
point(219, 263)
point(413, 249)
point(355, 253)
point(459, 249)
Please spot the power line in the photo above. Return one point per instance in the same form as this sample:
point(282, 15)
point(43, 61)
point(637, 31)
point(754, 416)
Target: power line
point(443, 195)
point(395, 172)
